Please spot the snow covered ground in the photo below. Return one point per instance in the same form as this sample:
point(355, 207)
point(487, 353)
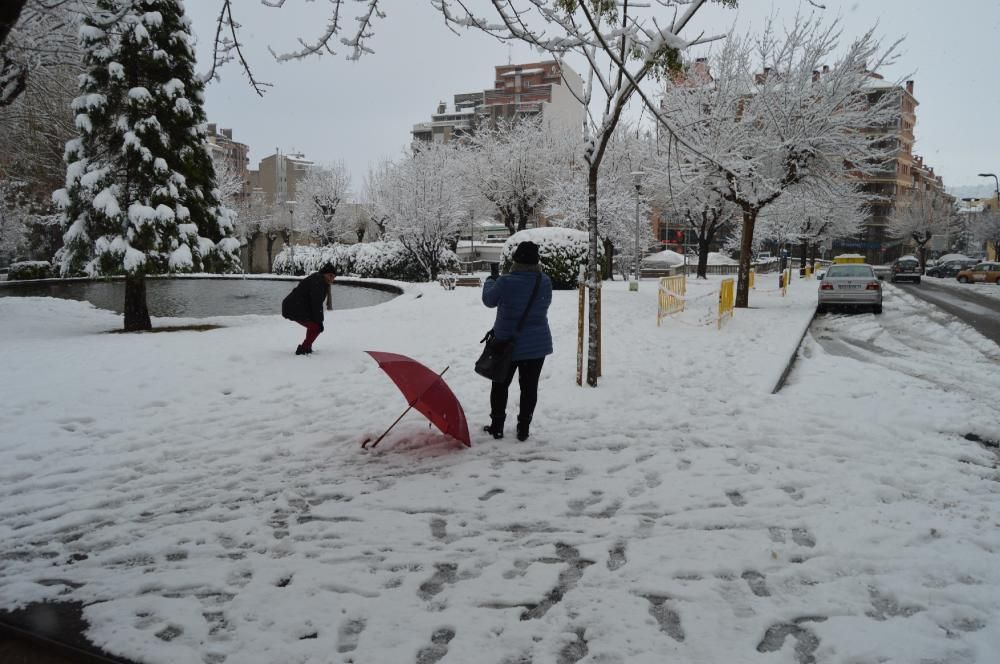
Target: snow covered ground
point(205, 494)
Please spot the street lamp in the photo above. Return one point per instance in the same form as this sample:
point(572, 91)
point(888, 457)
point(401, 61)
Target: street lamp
point(637, 177)
point(291, 231)
point(996, 182)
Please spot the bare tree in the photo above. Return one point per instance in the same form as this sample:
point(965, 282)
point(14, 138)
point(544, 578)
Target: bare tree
point(926, 214)
point(774, 117)
point(422, 205)
point(506, 167)
point(320, 195)
point(36, 35)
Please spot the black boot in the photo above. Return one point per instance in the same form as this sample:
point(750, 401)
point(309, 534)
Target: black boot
point(299, 351)
point(522, 427)
point(495, 427)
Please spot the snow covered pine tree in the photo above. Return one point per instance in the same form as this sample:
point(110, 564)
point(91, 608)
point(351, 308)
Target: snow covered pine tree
point(140, 194)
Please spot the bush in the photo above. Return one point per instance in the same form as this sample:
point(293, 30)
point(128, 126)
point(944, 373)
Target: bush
point(561, 252)
point(370, 260)
point(29, 270)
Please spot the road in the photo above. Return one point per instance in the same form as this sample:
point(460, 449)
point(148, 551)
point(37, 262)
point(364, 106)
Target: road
point(979, 311)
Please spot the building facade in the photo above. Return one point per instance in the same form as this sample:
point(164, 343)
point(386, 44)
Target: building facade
point(549, 90)
point(233, 155)
point(272, 195)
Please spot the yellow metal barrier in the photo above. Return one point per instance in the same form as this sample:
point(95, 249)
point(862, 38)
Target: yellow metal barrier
point(809, 271)
point(786, 276)
point(672, 292)
point(753, 277)
point(727, 300)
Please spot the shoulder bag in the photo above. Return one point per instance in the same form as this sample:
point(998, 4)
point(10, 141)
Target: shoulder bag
point(494, 363)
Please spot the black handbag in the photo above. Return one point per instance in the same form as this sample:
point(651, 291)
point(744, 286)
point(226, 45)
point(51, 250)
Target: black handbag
point(495, 360)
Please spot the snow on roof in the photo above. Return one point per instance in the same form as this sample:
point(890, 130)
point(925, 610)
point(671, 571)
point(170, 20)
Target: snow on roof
point(953, 257)
point(665, 257)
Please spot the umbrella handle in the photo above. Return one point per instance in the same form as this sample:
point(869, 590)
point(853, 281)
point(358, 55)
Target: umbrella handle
point(364, 445)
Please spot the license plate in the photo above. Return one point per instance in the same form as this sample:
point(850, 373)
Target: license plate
point(849, 287)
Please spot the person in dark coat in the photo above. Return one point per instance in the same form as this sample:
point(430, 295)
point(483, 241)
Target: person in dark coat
point(304, 305)
point(509, 294)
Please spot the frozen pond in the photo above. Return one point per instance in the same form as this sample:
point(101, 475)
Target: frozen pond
point(197, 297)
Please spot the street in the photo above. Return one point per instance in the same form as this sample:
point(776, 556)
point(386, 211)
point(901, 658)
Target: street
point(971, 306)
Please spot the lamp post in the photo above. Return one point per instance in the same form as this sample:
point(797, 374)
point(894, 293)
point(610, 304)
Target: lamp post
point(996, 183)
point(637, 177)
point(291, 231)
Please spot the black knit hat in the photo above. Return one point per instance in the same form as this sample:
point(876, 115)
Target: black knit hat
point(328, 269)
point(526, 253)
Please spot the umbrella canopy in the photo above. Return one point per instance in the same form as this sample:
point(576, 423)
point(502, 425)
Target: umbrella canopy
point(427, 392)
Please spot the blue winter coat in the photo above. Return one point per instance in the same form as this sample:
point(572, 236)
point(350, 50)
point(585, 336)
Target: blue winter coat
point(510, 294)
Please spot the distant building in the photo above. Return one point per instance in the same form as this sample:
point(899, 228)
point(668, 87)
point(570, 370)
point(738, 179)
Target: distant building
point(278, 175)
point(898, 181)
point(234, 154)
point(273, 190)
point(538, 89)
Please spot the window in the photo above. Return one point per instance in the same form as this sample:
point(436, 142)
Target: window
point(847, 271)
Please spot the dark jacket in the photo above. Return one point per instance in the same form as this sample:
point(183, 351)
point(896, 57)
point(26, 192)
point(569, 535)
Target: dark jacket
point(510, 294)
point(305, 302)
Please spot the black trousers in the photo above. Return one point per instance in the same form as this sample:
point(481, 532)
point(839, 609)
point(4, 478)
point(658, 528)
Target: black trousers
point(528, 372)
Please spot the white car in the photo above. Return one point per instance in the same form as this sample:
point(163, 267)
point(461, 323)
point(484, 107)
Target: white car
point(850, 284)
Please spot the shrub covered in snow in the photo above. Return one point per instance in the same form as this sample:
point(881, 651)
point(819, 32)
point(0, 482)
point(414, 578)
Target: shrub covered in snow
point(561, 252)
point(29, 270)
point(375, 260)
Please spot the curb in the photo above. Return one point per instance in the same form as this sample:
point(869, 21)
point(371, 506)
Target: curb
point(795, 355)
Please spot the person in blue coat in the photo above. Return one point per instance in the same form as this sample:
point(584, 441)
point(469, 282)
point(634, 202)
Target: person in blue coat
point(510, 294)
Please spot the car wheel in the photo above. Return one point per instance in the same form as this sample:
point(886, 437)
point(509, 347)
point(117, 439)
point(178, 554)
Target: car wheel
point(918, 280)
point(892, 280)
point(963, 280)
point(877, 309)
point(821, 308)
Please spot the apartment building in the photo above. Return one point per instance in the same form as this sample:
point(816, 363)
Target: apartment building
point(232, 154)
point(278, 174)
point(548, 89)
point(272, 193)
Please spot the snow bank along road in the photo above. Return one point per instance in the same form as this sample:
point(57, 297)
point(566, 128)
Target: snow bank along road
point(203, 494)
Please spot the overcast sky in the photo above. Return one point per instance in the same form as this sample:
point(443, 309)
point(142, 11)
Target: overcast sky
point(332, 109)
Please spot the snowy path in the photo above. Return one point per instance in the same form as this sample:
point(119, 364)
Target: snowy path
point(204, 493)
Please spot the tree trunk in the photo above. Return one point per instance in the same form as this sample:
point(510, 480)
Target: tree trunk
point(703, 244)
point(812, 255)
point(608, 268)
point(270, 252)
point(250, 243)
point(803, 257)
point(746, 251)
point(593, 281)
point(136, 312)
point(922, 251)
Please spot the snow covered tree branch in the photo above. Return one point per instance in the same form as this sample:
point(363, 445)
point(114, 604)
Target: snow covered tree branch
point(774, 115)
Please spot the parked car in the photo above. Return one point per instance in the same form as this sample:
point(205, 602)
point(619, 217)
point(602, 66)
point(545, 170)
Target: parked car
point(905, 268)
point(988, 272)
point(950, 269)
point(850, 284)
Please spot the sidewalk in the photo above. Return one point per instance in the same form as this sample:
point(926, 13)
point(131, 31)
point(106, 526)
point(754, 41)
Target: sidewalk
point(204, 494)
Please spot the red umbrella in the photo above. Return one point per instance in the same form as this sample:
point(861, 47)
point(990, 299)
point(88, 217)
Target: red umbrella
point(427, 392)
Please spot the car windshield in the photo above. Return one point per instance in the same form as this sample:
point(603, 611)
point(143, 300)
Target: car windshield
point(848, 271)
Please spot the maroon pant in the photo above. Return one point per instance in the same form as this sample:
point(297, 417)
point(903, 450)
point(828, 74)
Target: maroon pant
point(312, 331)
